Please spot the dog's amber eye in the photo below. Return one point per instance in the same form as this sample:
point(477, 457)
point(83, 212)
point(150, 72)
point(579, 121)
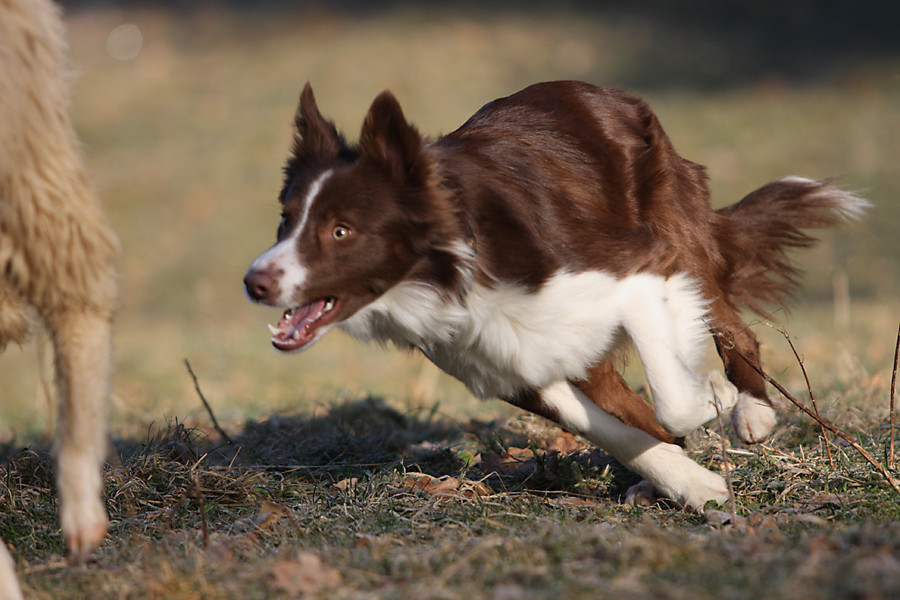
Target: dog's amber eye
point(340, 232)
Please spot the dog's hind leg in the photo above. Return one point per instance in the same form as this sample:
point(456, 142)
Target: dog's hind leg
point(82, 341)
point(670, 472)
point(754, 416)
point(606, 388)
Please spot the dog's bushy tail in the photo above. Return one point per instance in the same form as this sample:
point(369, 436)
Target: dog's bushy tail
point(767, 223)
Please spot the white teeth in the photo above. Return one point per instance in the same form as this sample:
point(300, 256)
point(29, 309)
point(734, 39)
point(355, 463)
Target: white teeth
point(329, 304)
point(272, 328)
point(296, 335)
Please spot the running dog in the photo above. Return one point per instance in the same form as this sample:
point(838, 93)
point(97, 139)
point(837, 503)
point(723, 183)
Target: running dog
point(520, 251)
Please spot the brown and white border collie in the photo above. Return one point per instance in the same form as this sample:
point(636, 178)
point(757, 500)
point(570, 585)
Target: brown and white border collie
point(521, 250)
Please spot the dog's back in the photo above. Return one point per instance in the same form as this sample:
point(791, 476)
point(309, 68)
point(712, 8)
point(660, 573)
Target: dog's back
point(584, 178)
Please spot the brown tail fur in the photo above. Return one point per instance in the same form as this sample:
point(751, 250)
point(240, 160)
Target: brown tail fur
point(767, 223)
point(756, 233)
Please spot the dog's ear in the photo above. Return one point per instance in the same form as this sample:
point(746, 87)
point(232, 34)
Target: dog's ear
point(316, 138)
point(388, 140)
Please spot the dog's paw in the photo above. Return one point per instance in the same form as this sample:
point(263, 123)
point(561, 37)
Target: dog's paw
point(725, 395)
point(673, 475)
point(641, 494)
point(691, 497)
point(84, 525)
point(753, 419)
point(703, 487)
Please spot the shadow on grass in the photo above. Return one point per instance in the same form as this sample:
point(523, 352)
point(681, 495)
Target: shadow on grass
point(366, 437)
point(362, 440)
point(167, 481)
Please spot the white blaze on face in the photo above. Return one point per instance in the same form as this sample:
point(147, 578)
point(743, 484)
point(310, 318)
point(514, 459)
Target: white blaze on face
point(283, 259)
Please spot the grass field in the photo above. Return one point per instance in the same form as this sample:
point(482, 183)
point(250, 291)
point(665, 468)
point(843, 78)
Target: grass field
point(326, 495)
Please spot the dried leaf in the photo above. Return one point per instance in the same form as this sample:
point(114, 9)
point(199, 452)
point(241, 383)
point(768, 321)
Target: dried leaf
point(305, 575)
point(268, 514)
point(521, 454)
point(762, 521)
point(515, 462)
point(366, 540)
point(721, 518)
point(823, 500)
point(447, 486)
point(573, 501)
point(565, 443)
point(345, 484)
point(476, 488)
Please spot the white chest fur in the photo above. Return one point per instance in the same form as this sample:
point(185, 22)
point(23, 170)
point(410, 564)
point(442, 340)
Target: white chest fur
point(498, 340)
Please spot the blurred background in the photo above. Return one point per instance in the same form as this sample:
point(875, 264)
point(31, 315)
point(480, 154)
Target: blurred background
point(184, 110)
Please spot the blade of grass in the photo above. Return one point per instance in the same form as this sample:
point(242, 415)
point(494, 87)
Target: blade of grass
point(893, 391)
point(812, 396)
point(206, 404)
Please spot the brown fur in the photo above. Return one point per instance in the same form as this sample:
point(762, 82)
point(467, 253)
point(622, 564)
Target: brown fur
point(559, 176)
point(57, 253)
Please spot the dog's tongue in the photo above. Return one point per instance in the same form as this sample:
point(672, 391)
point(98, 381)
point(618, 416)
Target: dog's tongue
point(297, 326)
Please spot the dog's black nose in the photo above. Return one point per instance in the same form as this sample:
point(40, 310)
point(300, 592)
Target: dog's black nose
point(259, 284)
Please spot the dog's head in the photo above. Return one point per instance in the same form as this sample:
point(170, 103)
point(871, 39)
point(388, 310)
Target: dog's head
point(355, 221)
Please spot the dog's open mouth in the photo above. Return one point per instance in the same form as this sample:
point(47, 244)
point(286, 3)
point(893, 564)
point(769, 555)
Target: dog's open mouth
point(297, 327)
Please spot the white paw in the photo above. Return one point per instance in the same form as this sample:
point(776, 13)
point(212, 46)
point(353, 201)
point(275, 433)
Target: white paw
point(725, 395)
point(84, 524)
point(703, 486)
point(753, 419)
point(673, 475)
point(692, 497)
point(641, 494)
point(82, 513)
point(693, 493)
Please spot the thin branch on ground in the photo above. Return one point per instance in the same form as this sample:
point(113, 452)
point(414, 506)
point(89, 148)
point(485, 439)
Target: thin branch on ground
point(853, 443)
point(732, 502)
point(812, 396)
point(198, 493)
point(893, 390)
point(206, 404)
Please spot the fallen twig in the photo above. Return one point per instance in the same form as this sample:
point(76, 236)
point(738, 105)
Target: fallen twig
point(198, 494)
point(732, 503)
point(853, 443)
point(893, 390)
point(812, 396)
point(206, 404)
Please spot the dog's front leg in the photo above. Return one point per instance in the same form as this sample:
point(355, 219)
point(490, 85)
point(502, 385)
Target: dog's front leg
point(666, 467)
point(666, 320)
point(82, 343)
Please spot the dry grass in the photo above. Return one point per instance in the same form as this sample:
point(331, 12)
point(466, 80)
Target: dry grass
point(325, 494)
point(364, 500)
